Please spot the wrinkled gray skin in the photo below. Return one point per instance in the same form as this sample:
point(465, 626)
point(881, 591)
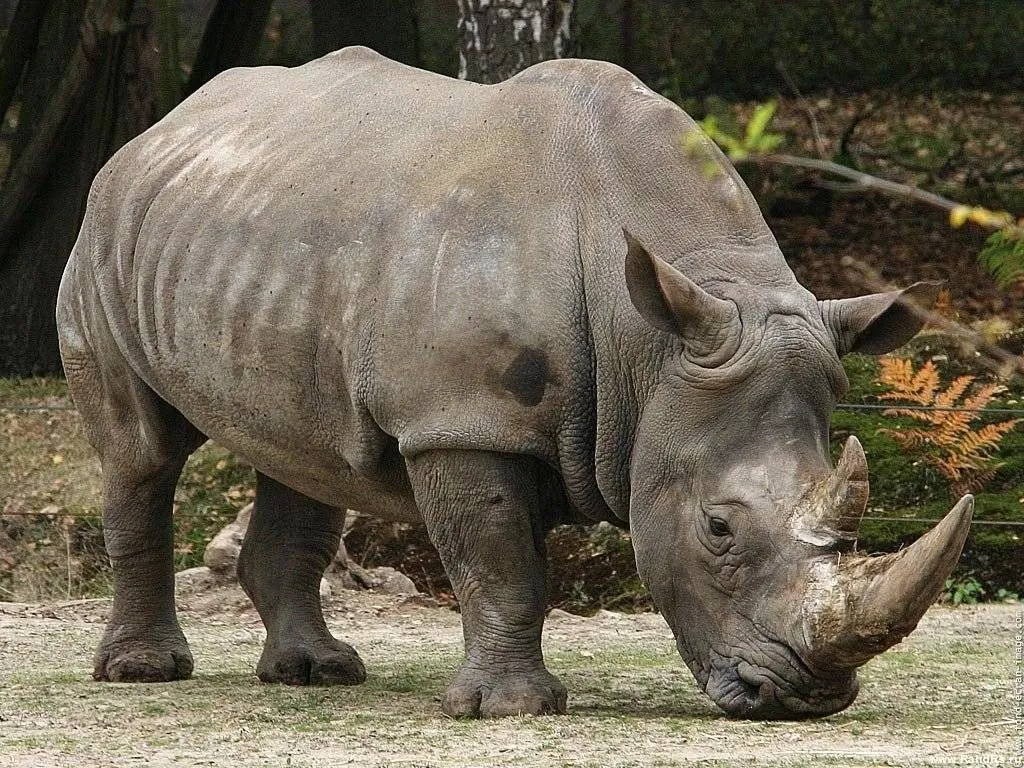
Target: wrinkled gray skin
point(412, 296)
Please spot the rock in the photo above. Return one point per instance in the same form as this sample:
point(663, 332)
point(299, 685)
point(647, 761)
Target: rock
point(556, 615)
point(385, 580)
point(221, 554)
point(221, 558)
point(392, 582)
point(193, 580)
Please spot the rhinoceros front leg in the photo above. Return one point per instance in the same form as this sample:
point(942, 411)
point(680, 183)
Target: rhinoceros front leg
point(290, 541)
point(481, 514)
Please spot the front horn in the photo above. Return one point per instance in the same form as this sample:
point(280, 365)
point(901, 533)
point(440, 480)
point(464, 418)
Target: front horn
point(868, 604)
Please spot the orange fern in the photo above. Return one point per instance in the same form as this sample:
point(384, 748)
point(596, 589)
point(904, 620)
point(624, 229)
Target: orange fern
point(961, 452)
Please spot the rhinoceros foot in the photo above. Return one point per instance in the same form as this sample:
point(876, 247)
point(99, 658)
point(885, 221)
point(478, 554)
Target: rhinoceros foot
point(325, 663)
point(479, 693)
point(143, 661)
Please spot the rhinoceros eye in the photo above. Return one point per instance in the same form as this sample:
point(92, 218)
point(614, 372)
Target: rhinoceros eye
point(718, 526)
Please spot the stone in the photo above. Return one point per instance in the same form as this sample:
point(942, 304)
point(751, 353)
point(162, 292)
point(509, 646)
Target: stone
point(221, 558)
point(221, 554)
point(392, 582)
point(193, 580)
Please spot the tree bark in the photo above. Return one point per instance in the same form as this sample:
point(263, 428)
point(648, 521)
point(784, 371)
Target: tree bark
point(498, 38)
point(628, 30)
point(88, 89)
point(388, 26)
point(231, 39)
point(18, 45)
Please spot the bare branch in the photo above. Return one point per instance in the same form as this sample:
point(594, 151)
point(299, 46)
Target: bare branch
point(812, 119)
point(861, 181)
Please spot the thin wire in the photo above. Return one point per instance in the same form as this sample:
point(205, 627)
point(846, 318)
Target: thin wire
point(923, 520)
point(873, 407)
point(187, 516)
point(840, 406)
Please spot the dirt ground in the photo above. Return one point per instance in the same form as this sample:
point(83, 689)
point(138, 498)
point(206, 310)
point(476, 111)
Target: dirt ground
point(943, 697)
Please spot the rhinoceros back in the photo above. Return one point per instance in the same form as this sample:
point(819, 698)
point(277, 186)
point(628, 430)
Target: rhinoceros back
point(354, 257)
point(316, 262)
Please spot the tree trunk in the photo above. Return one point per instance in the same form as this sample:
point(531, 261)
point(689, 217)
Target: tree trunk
point(231, 39)
point(88, 89)
point(501, 37)
point(628, 30)
point(18, 45)
point(388, 26)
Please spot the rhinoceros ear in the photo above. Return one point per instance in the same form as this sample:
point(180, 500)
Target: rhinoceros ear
point(880, 322)
point(671, 302)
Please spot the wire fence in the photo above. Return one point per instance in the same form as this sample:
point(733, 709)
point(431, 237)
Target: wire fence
point(55, 516)
point(900, 407)
point(185, 515)
point(840, 406)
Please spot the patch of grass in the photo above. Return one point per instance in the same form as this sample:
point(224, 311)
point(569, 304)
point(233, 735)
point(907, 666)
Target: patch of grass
point(31, 390)
point(46, 466)
point(408, 678)
point(905, 487)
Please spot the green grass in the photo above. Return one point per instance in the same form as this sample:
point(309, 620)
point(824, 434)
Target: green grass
point(905, 486)
point(214, 486)
point(15, 391)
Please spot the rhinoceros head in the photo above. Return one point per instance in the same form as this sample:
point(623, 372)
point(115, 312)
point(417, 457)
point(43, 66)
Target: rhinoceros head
point(744, 532)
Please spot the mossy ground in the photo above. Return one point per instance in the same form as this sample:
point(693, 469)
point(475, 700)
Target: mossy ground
point(905, 487)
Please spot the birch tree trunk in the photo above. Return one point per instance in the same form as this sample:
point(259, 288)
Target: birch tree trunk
point(498, 38)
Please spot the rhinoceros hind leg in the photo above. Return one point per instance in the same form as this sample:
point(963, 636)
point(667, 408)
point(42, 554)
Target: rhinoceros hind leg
point(482, 514)
point(143, 443)
point(290, 541)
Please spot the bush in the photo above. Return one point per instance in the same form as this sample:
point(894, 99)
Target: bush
point(733, 49)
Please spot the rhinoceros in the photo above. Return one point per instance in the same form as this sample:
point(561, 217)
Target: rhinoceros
point(489, 310)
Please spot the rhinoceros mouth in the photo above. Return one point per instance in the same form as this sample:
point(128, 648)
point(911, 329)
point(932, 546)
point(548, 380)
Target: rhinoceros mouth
point(757, 691)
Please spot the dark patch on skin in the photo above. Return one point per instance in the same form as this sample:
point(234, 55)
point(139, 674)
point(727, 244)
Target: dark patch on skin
point(527, 376)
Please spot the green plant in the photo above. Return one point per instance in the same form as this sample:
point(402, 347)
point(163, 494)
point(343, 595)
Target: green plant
point(964, 590)
point(1003, 255)
point(755, 139)
point(1004, 595)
